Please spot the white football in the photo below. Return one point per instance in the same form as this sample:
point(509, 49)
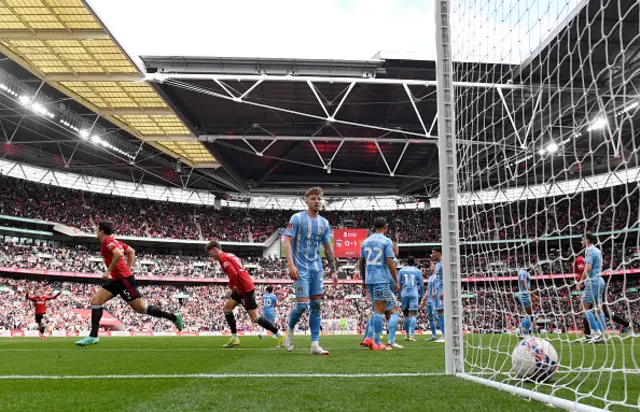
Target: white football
point(534, 358)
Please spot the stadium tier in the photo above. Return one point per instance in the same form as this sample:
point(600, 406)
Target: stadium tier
point(169, 220)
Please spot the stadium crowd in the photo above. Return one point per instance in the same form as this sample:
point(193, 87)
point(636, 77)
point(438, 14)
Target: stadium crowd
point(488, 307)
point(79, 259)
point(606, 209)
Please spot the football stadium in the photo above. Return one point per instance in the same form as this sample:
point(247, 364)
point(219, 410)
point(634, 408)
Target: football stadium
point(205, 232)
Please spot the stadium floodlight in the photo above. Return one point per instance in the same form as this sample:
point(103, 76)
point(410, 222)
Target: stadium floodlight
point(84, 133)
point(631, 107)
point(95, 139)
point(24, 100)
point(541, 152)
point(552, 147)
point(598, 124)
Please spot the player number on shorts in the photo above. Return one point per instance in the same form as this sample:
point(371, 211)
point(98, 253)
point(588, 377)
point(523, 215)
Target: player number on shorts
point(376, 261)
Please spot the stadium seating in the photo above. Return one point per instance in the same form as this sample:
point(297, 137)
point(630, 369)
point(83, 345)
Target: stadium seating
point(202, 311)
point(140, 217)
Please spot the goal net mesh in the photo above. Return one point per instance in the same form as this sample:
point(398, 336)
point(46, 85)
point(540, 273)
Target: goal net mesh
point(547, 103)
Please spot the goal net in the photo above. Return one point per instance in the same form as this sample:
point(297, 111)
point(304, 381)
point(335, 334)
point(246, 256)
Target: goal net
point(546, 98)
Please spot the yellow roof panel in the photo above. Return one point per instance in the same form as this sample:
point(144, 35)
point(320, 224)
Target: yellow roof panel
point(194, 151)
point(169, 125)
point(63, 38)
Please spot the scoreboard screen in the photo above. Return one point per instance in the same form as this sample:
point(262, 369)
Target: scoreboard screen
point(346, 242)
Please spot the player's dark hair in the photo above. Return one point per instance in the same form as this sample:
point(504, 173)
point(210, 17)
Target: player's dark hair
point(380, 222)
point(411, 261)
point(591, 238)
point(270, 289)
point(106, 226)
point(213, 244)
point(437, 249)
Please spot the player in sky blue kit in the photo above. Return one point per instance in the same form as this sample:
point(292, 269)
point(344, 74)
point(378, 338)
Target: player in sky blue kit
point(431, 311)
point(391, 311)
point(376, 266)
point(525, 297)
point(412, 288)
point(269, 303)
point(438, 289)
point(306, 233)
point(593, 284)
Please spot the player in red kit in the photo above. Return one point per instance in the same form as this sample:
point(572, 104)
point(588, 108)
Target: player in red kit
point(40, 301)
point(122, 283)
point(578, 269)
point(242, 292)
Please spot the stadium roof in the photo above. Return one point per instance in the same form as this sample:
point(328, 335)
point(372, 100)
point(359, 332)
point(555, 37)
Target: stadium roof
point(358, 128)
point(65, 44)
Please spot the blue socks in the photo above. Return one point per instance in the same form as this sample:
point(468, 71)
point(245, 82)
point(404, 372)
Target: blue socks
point(298, 310)
point(315, 318)
point(407, 326)
point(412, 326)
point(603, 321)
point(377, 321)
point(393, 325)
point(593, 323)
point(368, 332)
point(441, 322)
point(525, 325)
point(432, 325)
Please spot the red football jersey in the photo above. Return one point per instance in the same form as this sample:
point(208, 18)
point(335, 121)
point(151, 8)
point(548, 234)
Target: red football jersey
point(40, 302)
point(238, 276)
point(109, 244)
point(578, 267)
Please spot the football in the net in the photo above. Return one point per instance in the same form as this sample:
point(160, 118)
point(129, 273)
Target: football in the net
point(534, 358)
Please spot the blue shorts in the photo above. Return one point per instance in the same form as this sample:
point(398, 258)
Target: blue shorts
point(309, 283)
point(437, 303)
point(431, 308)
point(410, 303)
point(594, 291)
point(270, 316)
point(525, 300)
point(382, 292)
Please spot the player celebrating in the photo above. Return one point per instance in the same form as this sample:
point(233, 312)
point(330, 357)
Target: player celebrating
point(269, 303)
point(412, 288)
point(525, 297)
point(438, 289)
point(376, 266)
point(305, 233)
point(122, 283)
point(242, 293)
point(40, 301)
point(593, 288)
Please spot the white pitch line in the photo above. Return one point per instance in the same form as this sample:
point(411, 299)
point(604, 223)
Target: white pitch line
point(76, 349)
point(227, 376)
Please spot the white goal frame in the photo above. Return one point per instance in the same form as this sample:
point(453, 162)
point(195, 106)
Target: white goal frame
point(454, 344)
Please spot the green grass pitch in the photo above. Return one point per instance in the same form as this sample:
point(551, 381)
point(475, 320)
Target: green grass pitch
point(180, 359)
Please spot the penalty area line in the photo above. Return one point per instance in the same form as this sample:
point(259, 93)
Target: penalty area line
point(226, 376)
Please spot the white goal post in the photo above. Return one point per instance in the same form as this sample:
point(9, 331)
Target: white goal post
point(573, 114)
